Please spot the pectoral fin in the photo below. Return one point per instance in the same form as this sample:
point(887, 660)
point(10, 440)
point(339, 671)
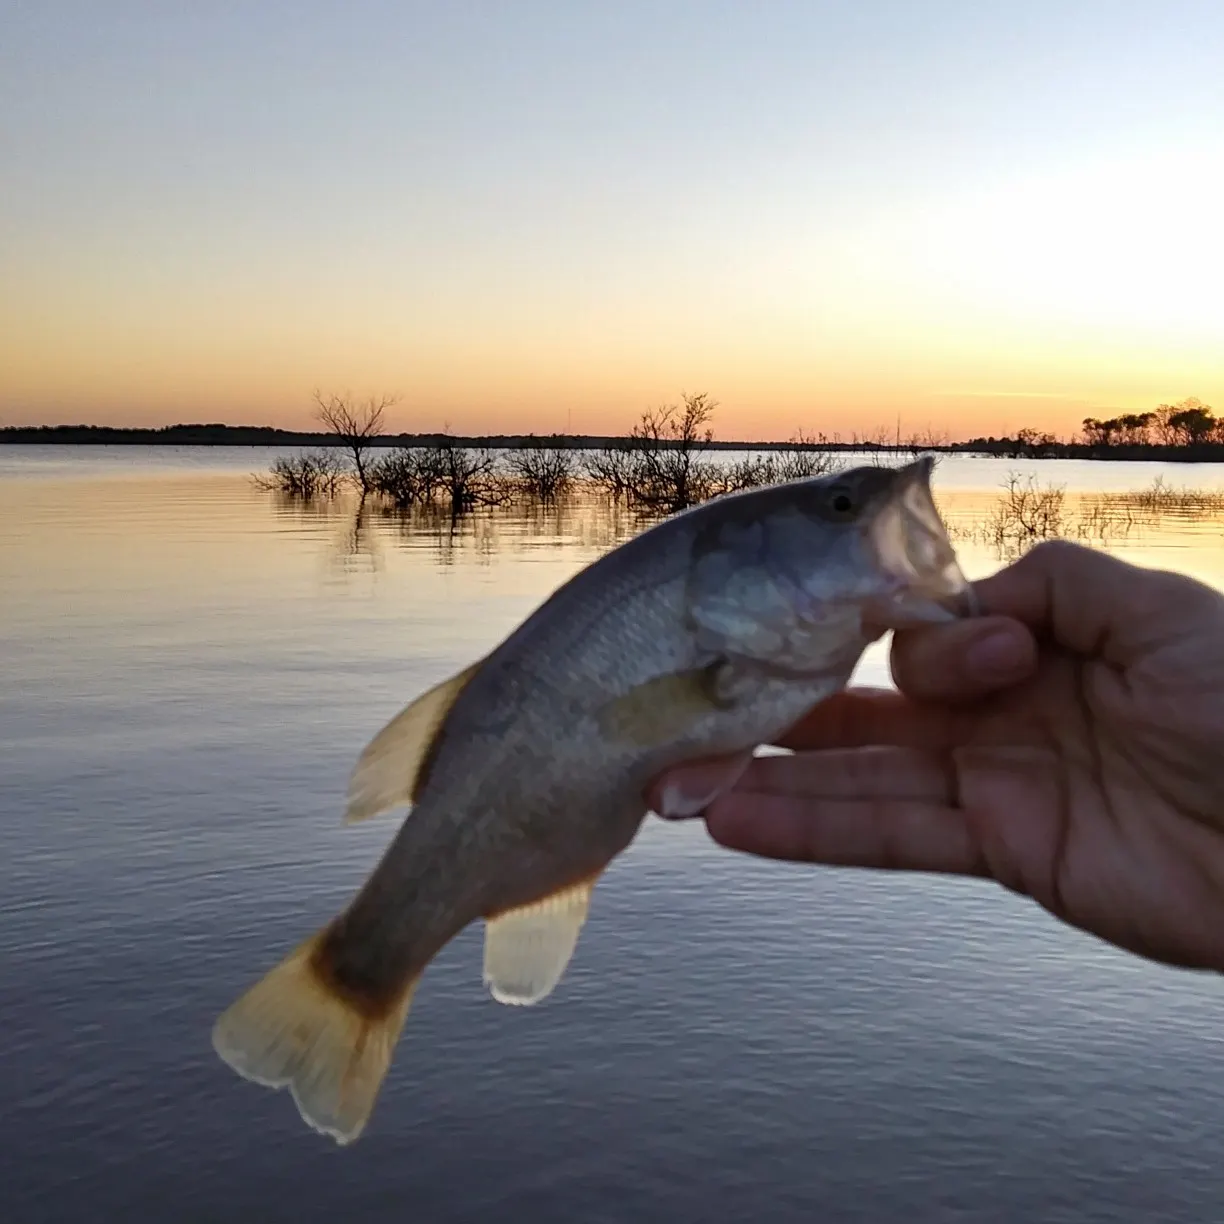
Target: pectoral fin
point(527, 949)
point(666, 707)
point(387, 771)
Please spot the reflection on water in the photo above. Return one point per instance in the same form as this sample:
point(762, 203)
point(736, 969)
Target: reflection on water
point(590, 524)
point(989, 527)
point(1006, 522)
point(1027, 511)
point(191, 668)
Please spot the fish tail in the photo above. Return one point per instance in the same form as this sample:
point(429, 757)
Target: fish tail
point(298, 1028)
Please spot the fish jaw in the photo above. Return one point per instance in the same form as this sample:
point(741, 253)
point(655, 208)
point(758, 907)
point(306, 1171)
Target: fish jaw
point(921, 581)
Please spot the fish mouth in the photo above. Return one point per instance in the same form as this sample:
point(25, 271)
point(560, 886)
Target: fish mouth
point(923, 580)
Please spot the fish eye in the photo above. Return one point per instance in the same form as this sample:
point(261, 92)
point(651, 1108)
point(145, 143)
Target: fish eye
point(842, 503)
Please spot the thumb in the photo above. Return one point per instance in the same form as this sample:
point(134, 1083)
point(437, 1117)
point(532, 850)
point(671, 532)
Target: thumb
point(964, 660)
point(1077, 598)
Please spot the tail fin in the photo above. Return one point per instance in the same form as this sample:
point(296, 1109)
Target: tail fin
point(293, 1030)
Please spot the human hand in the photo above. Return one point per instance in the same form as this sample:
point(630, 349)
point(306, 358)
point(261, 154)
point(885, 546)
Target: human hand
point(1068, 744)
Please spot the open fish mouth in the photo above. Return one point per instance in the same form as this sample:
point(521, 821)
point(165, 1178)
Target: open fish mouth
point(923, 580)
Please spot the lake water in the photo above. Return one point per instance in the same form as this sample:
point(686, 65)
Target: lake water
point(190, 668)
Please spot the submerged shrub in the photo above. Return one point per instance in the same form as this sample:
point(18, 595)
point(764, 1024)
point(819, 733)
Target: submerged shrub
point(318, 473)
point(542, 472)
point(1027, 514)
point(408, 476)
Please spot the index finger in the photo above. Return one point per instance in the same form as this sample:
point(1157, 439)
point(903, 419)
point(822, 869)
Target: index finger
point(1092, 603)
point(860, 717)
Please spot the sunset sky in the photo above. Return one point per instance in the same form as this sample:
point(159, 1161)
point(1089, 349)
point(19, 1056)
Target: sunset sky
point(531, 216)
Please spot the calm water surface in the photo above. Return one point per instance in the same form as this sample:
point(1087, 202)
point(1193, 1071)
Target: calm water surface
point(189, 671)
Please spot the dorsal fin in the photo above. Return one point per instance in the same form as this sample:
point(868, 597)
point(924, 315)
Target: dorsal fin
point(387, 771)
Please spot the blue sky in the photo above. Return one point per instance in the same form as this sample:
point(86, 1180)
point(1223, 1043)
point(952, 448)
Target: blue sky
point(514, 213)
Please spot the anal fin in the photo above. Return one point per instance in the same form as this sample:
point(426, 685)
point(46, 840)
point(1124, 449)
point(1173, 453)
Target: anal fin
point(528, 949)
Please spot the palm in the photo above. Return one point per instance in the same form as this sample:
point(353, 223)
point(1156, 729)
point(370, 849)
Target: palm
point(1088, 789)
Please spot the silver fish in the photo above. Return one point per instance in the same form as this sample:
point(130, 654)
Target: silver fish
point(709, 634)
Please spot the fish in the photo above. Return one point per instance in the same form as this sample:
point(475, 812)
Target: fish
point(706, 636)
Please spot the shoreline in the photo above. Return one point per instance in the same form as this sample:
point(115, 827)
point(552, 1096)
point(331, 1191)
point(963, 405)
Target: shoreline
point(261, 436)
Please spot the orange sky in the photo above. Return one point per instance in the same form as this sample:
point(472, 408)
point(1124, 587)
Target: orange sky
point(535, 221)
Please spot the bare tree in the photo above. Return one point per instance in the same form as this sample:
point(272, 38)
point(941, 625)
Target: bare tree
point(803, 456)
point(356, 425)
point(542, 471)
point(667, 445)
point(930, 439)
point(874, 439)
point(407, 476)
point(800, 459)
point(611, 469)
point(317, 473)
point(1026, 514)
point(468, 476)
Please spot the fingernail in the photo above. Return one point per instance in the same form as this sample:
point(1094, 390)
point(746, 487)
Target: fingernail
point(689, 790)
point(678, 803)
point(997, 656)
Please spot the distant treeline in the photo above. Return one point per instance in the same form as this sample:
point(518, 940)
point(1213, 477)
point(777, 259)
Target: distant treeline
point(1051, 448)
point(1187, 432)
point(266, 435)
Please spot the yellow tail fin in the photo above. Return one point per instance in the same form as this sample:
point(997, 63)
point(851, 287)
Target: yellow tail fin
point(293, 1030)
